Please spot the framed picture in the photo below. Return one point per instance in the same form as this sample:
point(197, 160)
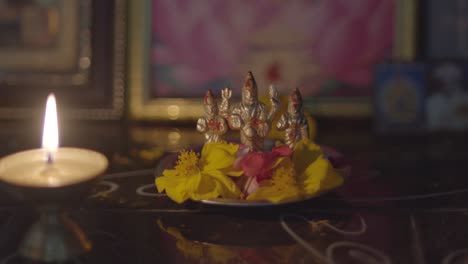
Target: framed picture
point(421, 97)
point(73, 48)
point(327, 48)
point(31, 38)
point(400, 97)
point(406, 38)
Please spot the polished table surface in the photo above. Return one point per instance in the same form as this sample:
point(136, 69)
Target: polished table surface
point(406, 201)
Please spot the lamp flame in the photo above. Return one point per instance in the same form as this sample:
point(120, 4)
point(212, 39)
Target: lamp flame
point(50, 137)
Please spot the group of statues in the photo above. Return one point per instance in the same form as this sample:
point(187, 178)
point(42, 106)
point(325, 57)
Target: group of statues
point(251, 117)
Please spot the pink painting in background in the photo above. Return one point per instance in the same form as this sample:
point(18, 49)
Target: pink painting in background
point(325, 47)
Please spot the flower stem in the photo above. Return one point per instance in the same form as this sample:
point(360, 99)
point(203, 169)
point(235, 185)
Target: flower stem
point(247, 185)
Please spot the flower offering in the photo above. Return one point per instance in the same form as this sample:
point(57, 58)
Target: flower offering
point(295, 169)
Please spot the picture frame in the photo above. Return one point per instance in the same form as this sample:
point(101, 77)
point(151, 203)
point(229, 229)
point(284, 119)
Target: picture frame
point(400, 97)
point(80, 57)
point(33, 52)
point(406, 46)
point(183, 105)
point(141, 106)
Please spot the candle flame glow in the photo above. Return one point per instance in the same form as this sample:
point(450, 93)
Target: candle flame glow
point(50, 137)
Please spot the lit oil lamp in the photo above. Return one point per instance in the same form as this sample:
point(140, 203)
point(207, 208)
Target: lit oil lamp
point(51, 178)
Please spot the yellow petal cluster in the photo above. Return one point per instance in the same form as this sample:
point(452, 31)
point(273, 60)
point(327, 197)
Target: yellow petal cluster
point(309, 174)
point(282, 186)
point(203, 177)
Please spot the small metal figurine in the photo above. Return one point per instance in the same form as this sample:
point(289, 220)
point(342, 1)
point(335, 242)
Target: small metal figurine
point(224, 107)
point(250, 116)
point(294, 121)
point(275, 102)
point(212, 124)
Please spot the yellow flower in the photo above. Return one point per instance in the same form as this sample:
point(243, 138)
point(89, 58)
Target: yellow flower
point(315, 174)
point(281, 187)
point(202, 177)
point(308, 175)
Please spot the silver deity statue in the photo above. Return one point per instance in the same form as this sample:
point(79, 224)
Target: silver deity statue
point(250, 116)
point(294, 122)
point(212, 124)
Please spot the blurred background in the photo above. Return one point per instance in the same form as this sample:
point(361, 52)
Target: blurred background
point(384, 82)
point(369, 67)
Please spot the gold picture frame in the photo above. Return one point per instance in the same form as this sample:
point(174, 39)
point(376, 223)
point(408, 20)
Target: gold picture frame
point(140, 107)
point(64, 60)
point(84, 66)
point(67, 41)
point(144, 107)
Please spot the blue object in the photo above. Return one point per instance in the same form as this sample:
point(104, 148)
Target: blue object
point(399, 97)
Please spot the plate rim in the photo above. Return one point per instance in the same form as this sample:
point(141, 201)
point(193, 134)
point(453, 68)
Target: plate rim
point(258, 203)
point(246, 203)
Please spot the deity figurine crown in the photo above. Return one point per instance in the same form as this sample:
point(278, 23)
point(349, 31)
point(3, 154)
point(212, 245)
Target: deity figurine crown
point(209, 98)
point(250, 116)
point(296, 98)
point(250, 85)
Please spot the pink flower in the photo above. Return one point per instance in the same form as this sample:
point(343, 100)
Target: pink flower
point(260, 164)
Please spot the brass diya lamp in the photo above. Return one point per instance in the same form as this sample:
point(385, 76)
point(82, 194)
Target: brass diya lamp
point(49, 179)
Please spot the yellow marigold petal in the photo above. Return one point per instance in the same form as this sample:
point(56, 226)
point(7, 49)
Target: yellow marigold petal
point(163, 182)
point(305, 153)
point(187, 163)
point(275, 195)
point(319, 176)
point(234, 173)
point(174, 187)
point(282, 186)
point(263, 193)
point(192, 183)
point(169, 173)
point(224, 185)
point(206, 188)
point(219, 156)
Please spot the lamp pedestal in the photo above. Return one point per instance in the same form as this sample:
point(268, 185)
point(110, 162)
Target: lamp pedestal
point(54, 238)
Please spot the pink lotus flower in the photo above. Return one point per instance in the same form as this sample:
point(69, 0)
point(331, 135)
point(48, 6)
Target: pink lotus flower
point(258, 166)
